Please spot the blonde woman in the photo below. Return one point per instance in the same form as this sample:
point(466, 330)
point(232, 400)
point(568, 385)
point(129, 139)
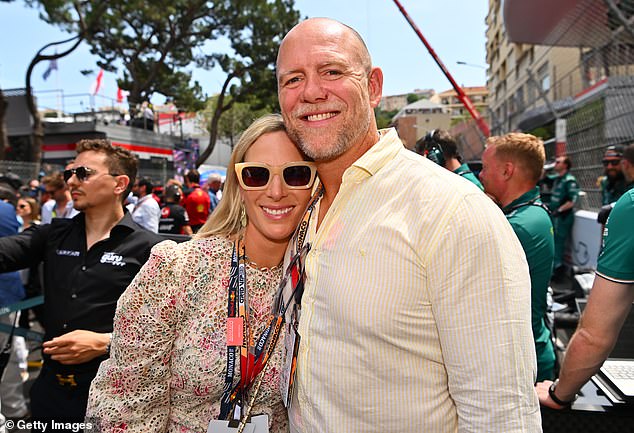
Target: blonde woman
point(170, 356)
point(29, 210)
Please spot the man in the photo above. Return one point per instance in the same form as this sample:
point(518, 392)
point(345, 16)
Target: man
point(60, 204)
point(511, 167)
point(610, 301)
point(612, 183)
point(439, 146)
point(174, 217)
point(88, 262)
point(146, 212)
point(415, 313)
point(197, 201)
point(213, 185)
point(565, 193)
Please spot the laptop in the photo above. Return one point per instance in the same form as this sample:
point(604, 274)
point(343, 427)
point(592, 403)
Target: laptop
point(617, 372)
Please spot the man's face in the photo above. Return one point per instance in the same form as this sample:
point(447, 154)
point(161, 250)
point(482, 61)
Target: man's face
point(98, 189)
point(57, 194)
point(611, 165)
point(492, 174)
point(560, 165)
point(324, 90)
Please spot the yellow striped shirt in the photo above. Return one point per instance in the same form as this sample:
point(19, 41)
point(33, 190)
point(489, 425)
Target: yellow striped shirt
point(416, 312)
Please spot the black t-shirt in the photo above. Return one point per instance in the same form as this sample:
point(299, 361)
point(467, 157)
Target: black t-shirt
point(173, 218)
point(81, 288)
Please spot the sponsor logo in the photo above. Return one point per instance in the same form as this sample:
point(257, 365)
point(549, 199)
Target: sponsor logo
point(113, 259)
point(68, 253)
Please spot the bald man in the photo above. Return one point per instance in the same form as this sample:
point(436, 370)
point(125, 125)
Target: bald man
point(415, 314)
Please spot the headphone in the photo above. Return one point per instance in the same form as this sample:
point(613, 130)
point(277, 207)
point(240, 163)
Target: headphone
point(433, 149)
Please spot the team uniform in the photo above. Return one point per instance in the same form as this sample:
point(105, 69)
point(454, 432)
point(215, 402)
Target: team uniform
point(173, 219)
point(616, 260)
point(532, 225)
point(466, 172)
point(565, 188)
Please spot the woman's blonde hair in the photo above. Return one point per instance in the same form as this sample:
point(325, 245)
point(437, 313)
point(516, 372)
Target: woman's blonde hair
point(35, 208)
point(225, 219)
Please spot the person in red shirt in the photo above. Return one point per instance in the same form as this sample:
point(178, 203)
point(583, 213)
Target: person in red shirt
point(197, 203)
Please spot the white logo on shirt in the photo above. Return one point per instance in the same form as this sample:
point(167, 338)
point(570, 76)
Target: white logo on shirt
point(113, 259)
point(67, 253)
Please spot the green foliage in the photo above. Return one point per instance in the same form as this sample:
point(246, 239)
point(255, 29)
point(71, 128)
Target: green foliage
point(384, 118)
point(236, 119)
point(412, 97)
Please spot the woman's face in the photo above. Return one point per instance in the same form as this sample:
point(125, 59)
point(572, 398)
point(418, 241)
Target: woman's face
point(273, 212)
point(24, 209)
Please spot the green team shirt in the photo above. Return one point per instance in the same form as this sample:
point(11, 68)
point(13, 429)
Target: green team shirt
point(616, 260)
point(533, 228)
point(466, 172)
point(565, 188)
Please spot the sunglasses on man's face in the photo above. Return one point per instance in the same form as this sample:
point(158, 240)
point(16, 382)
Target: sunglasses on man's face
point(613, 162)
point(294, 175)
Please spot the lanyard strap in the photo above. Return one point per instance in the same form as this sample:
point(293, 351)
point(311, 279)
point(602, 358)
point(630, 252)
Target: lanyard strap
point(254, 358)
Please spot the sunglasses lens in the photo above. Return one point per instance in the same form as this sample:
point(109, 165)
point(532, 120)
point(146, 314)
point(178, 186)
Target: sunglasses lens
point(298, 175)
point(255, 177)
point(80, 172)
point(607, 162)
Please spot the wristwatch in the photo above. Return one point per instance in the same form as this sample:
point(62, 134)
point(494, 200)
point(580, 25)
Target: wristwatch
point(551, 393)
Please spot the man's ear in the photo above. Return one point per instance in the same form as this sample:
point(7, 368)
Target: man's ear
point(375, 86)
point(122, 184)
point(509, 170)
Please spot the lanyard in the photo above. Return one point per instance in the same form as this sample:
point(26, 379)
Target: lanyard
point(532, 202)
point(254, 357)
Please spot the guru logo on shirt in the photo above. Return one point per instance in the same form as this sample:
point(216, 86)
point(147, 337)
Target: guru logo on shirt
point(113, 259)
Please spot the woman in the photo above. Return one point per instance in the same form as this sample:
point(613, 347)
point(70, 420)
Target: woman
point(29, 210)
point(168, 362)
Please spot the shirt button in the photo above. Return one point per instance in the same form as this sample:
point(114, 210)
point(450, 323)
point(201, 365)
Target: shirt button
point(83, 268)
point(74, 296)
point(65, 326)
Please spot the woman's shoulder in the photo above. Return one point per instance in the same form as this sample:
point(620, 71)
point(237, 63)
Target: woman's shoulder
point(169, 248)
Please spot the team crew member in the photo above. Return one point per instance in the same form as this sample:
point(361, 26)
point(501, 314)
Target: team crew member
point(88, 262)
point(439, 146)
point(565, 193)
point(197, 202)
point(612, 182)
point(511, 166)
point(174, 217)
point(609, 304)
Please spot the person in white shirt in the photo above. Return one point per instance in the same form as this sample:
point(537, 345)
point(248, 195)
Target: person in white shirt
point(146, 211)
point(60, 205)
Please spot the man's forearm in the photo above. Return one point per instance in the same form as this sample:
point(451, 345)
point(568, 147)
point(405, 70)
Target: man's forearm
point(584, 357)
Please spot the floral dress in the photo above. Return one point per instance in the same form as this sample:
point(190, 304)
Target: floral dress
point(168, 358)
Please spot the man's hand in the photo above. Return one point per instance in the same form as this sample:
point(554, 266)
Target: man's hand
point(76, 347)
point(544, 397)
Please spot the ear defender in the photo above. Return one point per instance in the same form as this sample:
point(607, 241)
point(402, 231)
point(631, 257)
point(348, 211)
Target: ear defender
point(433, 149)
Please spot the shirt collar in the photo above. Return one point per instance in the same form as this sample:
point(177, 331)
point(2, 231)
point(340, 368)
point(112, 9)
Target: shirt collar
point(524, 198)
point(126, 223)
point(381, 153)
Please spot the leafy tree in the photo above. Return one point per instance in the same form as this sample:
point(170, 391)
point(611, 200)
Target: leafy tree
point(157, 41)
point(236, 119)
point(412, 97)
point(384, 118)
point(256, 29)
point(152, 40)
